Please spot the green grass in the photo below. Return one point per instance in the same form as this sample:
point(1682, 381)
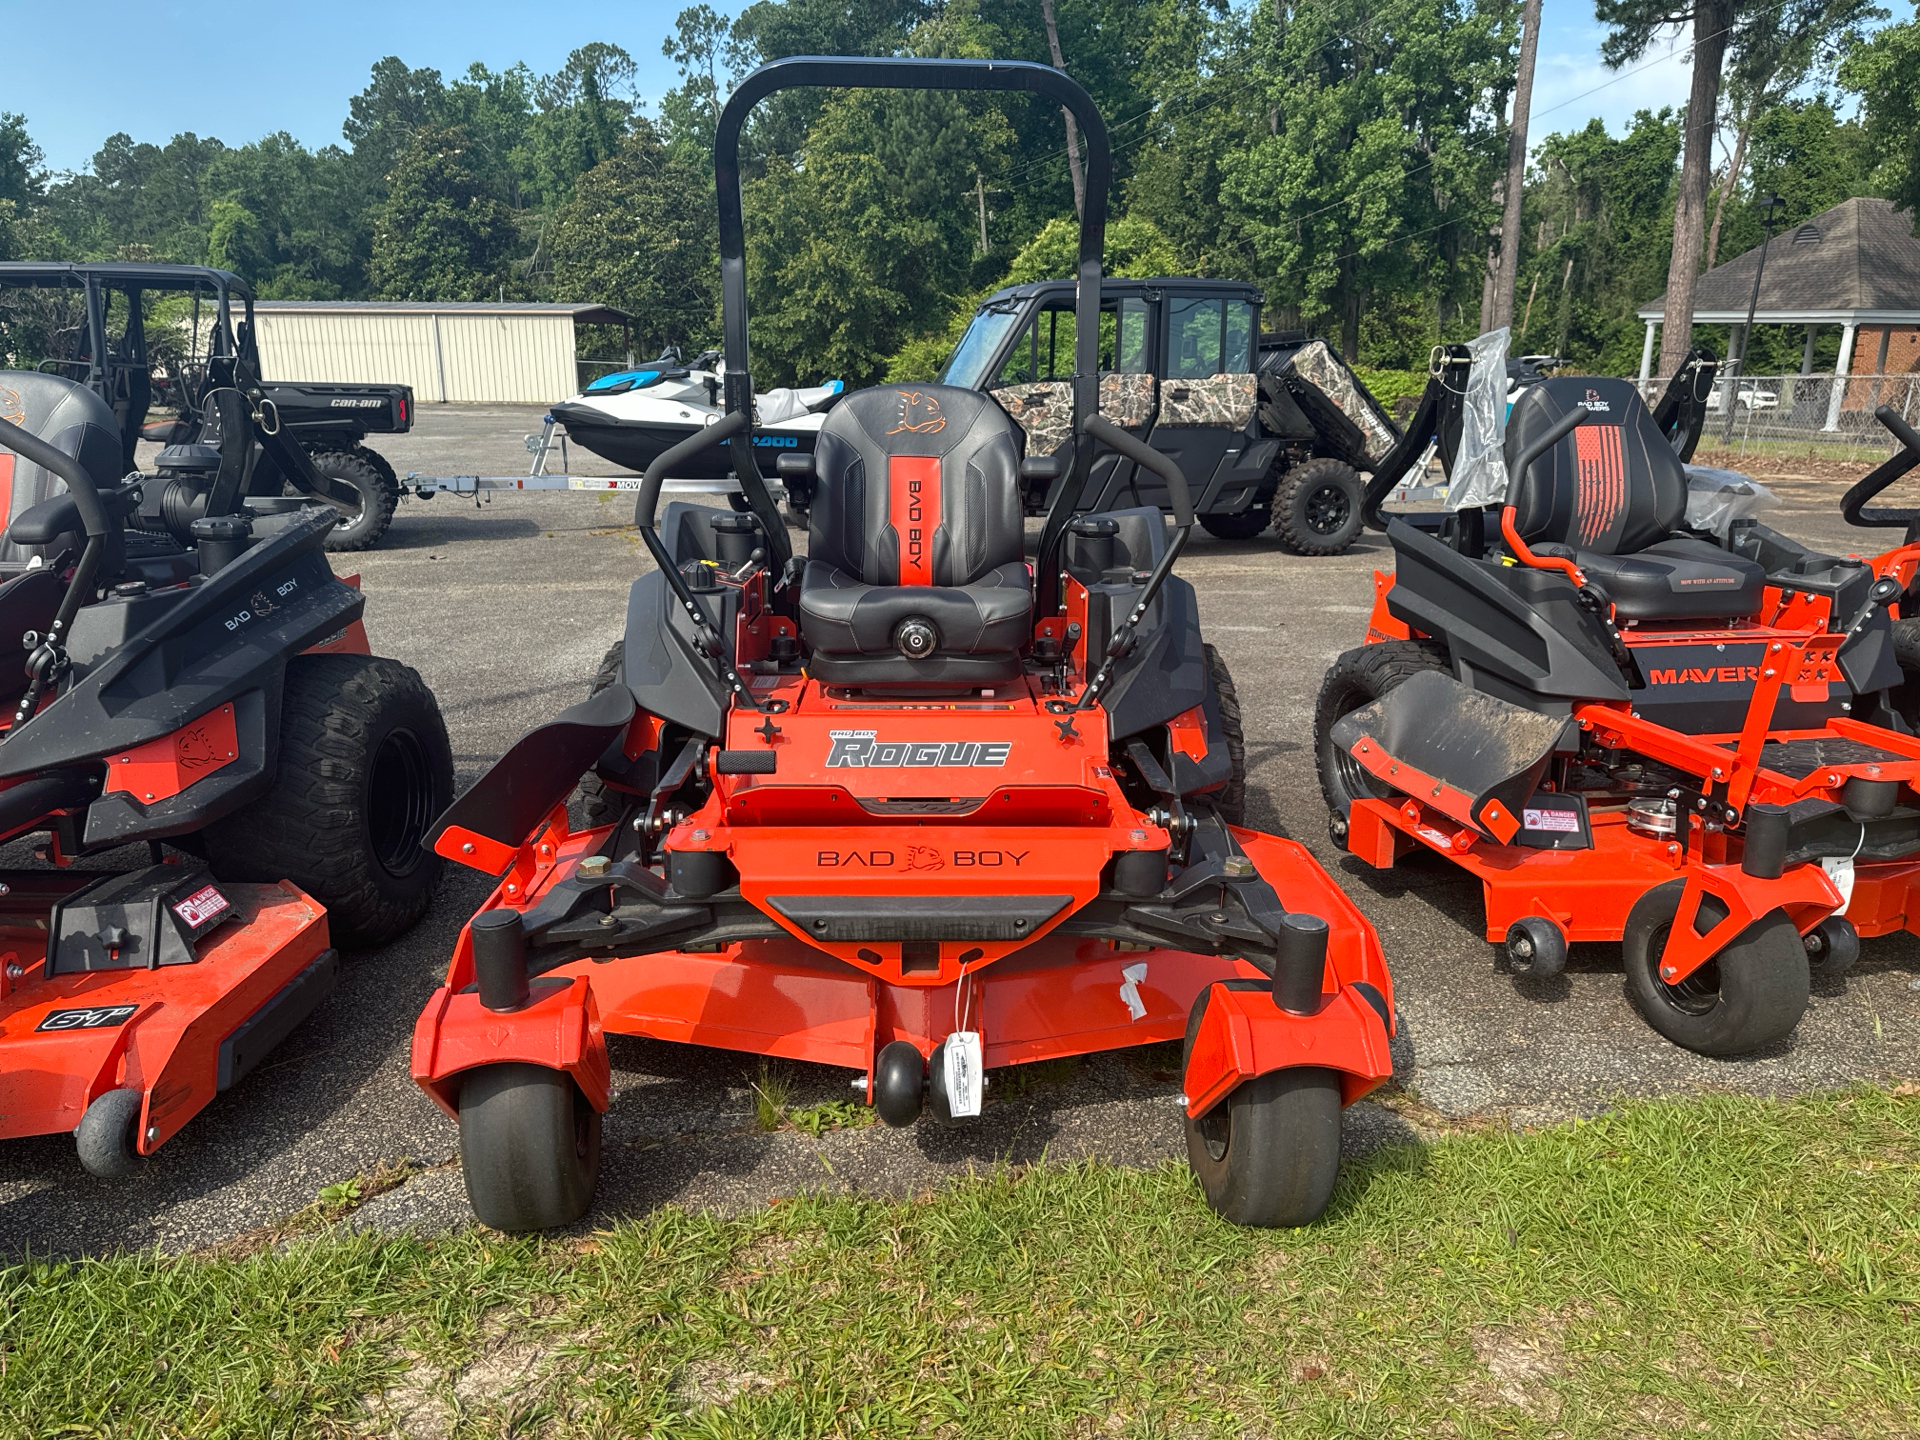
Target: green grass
point(1729, 1266)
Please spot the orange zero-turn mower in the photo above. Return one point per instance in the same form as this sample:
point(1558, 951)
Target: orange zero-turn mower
point(203, 681)
point(1633, 723)
point(906, 805)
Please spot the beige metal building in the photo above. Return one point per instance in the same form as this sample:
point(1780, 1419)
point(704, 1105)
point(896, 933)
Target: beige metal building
point(460, 353)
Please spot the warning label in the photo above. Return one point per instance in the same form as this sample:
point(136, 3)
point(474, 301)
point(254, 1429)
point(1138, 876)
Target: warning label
point(1566, 821)
point(202, 907)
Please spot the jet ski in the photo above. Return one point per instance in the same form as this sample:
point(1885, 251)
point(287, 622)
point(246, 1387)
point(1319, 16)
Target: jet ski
point(632, 416)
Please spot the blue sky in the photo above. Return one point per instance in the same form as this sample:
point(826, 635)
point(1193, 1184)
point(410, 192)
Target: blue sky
point(160, 68)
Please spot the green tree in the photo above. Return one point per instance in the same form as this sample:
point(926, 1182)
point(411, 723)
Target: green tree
point(23, 177)
point(439, 235)
point(639, 234)
point(1885, 73)
point(381, 119)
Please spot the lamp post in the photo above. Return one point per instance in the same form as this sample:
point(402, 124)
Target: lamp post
point(1735, 365)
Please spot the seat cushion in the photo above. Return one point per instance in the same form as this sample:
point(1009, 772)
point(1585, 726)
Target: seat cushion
point(849, 627)
point(1677, 579)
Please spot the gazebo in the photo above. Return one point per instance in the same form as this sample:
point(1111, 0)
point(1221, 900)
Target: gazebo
point(1856, 266)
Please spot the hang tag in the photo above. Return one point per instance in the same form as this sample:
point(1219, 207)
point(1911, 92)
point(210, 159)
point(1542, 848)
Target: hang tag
point(963, 1061)
point(1130, 979)
point(1841, 873)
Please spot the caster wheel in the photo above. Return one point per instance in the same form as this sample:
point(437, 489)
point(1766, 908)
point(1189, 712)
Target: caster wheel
point(529, 1147)
point(1750, 994)
point(1832, 945)
point(108, 1135)
point(899, 1078)
point(1536, 947)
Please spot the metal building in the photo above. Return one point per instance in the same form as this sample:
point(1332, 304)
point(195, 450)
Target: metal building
point(469, 353)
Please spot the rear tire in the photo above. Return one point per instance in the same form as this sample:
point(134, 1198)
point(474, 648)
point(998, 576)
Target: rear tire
point(1749, 995)
point(1268, 1155)
point(1906, 650)
point(1244, 526)
point(108, 1136)
point(529, 1147)
point(1317, 507)
point(378, 497)
point(364, 769)
point(1231, 798)
point(1356, 679)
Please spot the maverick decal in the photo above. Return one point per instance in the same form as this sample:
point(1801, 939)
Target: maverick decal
point(1721, 674)
point(862, 750)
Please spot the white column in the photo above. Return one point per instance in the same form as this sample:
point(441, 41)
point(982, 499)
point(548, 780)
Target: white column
point(1841, 369)
point(1646, 358)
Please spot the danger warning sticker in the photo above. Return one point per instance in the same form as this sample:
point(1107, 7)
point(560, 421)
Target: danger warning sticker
point(1567, 821)
point(202, 907)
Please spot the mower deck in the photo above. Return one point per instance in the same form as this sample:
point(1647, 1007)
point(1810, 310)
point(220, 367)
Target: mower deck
point(176, 1033)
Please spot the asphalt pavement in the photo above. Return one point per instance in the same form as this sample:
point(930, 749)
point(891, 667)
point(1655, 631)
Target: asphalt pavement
point(505, 609)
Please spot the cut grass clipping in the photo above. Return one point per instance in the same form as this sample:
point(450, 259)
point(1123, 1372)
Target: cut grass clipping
point(1729, 1266)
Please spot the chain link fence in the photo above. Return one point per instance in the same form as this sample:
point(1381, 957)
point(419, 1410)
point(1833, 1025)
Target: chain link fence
point(1787, 415)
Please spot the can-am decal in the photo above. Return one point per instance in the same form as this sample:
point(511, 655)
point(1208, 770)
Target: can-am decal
point(864, 750)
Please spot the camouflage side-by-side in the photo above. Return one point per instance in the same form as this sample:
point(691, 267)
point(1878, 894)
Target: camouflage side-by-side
point(1223, 400)
point(1318, 366)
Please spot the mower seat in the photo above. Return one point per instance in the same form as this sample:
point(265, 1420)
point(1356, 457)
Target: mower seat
point(1612, 495)
point(915, 576)
point(72, 419)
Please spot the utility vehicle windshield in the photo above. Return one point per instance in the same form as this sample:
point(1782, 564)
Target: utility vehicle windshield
point(968, 367)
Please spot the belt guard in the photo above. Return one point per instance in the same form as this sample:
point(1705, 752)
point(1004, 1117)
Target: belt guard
point(1471, 756)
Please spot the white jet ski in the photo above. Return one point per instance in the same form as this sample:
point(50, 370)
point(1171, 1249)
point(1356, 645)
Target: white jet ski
point(633, 416)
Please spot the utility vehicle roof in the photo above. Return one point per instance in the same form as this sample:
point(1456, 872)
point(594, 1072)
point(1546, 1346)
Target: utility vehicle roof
point(21, 274)
point(1109, 286)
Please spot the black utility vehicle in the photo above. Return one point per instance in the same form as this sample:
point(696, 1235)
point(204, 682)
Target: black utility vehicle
point(163, 338)
point(1269, 430)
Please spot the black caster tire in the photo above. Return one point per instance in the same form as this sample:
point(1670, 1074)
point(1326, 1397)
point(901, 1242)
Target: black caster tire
point(529, 1147)
point(1746, 997)
point(108, 1136)
point(899, 1083)
point(1536, 947)
point(378, 498)
point(1357, 679)
point(1268, 1155)
point(1244, 526)
point(1316, 510)
point(1832, 946)
point(364, 768)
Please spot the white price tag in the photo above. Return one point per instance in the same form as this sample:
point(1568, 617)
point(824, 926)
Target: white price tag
point(1841, 873)
point(964, 1068)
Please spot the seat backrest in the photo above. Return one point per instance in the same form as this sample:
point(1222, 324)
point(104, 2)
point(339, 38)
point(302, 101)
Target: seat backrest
point(917, 485)
point(1613, 486)
point(67, 416)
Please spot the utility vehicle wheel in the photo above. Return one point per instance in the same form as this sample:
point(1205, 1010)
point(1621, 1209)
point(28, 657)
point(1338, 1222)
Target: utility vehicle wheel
point(1832, 946)
point(1244, 526)
point(1317, 507)
point(1230, 799)
point(107, 1137)
point(1356, 679)
point(1749, 995)
point(1268, 1154)
point(363, 451)
point(529, 1147)
point(377, 499)
point(600, 803)
point(364, 768)
point(1906, 650)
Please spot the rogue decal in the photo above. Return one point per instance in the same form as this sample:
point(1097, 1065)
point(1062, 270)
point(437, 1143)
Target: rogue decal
point(861, 750)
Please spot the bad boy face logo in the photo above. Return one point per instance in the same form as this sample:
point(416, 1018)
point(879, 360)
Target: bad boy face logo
point(919, 414)
point(862, 750)
point(1595, 403)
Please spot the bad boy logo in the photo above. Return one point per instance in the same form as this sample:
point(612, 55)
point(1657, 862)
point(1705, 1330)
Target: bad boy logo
point(863, 750)
point(1594, 403)
point(919, 414)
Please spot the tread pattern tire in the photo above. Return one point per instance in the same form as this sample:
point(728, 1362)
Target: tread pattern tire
point(1749, 995)
point(1357, 678)
point(1906, 650)
point(529, 1147)
point(1230, 799)
point(1244, 526)
point(1269, 1154)
point(1316, 510)
point(378, 496)
point(364, 764)
point(599, 803)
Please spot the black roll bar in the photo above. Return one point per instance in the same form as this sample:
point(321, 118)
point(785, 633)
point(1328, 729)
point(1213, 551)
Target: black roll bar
point(847, 72)
point(1853, 505)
